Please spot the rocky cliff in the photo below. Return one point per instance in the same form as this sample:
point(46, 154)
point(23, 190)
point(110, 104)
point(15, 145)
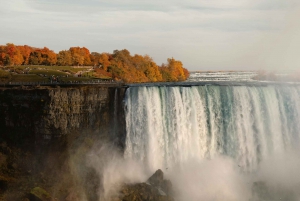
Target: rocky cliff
point(41, 114)
point(46, 133)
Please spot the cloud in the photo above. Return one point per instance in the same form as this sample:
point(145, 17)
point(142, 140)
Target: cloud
point(207, 34)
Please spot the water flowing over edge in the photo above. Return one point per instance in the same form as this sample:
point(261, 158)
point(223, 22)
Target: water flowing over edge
point(167, 126)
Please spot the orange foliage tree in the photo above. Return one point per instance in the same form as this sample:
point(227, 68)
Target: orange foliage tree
point(64, 58)
point(174, 71)
point(10, 55)
point(42, 57)
point(80, 56)
point(120, 65)
point(25, 52)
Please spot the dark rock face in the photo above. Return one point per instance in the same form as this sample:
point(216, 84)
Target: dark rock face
point(42, 129)
point(39, 194)
point(155, 189)
point(157, 179)
point(42, 114)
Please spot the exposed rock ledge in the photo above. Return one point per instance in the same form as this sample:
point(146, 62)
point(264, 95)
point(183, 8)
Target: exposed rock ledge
point(156, 188)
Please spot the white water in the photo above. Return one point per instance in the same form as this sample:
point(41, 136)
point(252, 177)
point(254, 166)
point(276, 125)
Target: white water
point(169, 126)
point(243, 76)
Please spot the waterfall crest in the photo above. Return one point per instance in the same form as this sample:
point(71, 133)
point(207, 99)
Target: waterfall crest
point(167, 126)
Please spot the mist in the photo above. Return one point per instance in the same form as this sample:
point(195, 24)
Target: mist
point(221, 178)
point(279, 52)
point(114, 170)
point(280, 173)
point(211, 180)
point(216, 179)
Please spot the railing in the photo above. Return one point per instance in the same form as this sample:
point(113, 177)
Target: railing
point(64, 83)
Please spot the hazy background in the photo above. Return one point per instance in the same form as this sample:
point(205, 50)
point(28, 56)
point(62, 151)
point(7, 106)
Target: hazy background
point(204, 34)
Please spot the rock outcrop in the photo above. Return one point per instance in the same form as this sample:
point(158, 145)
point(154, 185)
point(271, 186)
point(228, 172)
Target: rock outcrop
point(156, 188)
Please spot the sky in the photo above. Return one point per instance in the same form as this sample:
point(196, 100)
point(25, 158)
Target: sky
point(203, 34)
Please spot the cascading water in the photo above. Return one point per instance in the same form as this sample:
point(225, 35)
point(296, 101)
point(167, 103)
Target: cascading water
point(167, 126)
point(115, 110)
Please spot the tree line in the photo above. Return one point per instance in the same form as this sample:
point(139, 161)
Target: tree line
point(120, 65)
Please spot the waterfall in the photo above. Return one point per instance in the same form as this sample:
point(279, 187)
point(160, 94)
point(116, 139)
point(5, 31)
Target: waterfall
point(167, 126)
point(115, 110)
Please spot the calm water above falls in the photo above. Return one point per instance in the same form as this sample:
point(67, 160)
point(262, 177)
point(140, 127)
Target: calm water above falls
point(171, 125)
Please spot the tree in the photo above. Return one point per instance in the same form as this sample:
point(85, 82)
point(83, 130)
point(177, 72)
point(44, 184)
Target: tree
point(49, 57)
point(64, 58)
point(35, 57)
point(174, 71)
point(152, 72)
point(2, 55)
point(77, 56)
point(25, 52)
point(80, 56)
point(42, 57)
point(85, 53)
point(120, 65)
point(122, 57)
point(14, 55)
point(104, 61)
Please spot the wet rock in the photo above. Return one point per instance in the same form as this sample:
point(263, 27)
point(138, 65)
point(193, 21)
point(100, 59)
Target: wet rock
point(3, 184)
point(157, 179)
point(39, 194)
point(155, 189)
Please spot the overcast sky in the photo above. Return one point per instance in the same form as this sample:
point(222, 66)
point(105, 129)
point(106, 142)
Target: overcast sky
point(203, 34)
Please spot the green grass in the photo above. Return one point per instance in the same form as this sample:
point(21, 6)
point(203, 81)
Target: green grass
point(27, 78)
point(4, 74)
point(60, 68)
point(32, 73)
point(75, 70)
point(48, 72)
point(88, 74)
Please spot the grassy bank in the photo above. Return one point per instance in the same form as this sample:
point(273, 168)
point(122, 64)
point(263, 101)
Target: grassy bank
point(48, 73)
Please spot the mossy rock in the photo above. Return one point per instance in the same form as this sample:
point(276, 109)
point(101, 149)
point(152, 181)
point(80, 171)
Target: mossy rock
point(39, 194)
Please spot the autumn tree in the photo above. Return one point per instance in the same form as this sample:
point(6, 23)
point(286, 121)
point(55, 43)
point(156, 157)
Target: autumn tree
point(2, 55)
point(11, 55)
point(122, 58)
point(42, 57)
point(174, 71)
point(80, 56)
point(104, 61)
point(25, 52)
point(85, 53)
point(93, 58)
point(77, 59)
point(50, 57)
point(119, 65)
point(152, 72)
point(64, 58)
point(135, 68)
